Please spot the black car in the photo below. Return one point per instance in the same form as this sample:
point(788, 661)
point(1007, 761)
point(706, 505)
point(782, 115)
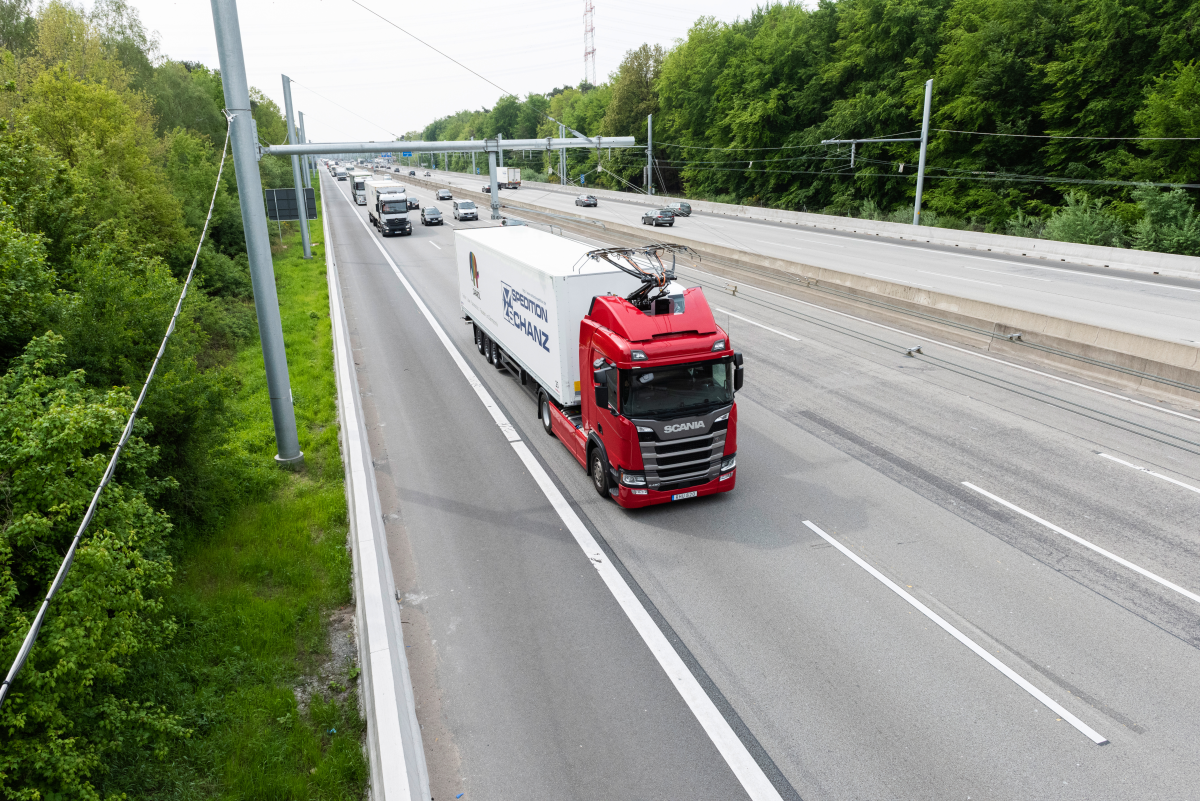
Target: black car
point(680, 209)
point(586, 200)
point(487, 189)
point(412, 172)
point(444, 194)
point(658, 217)
point(431, 216)
point(413, 203)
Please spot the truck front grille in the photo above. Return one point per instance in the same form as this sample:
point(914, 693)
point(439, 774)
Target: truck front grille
point(681, 463)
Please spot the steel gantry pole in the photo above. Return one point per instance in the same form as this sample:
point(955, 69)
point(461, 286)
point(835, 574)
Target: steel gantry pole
point(495, 189)
point(924, 145)
point(301, 205)
point(500, 148)
point(307, 159)
point(650, 154)
point(473, 170)
point(254, 223)
point(562, 156)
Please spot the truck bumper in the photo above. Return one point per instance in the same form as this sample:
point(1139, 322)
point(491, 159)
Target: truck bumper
point(631, 498)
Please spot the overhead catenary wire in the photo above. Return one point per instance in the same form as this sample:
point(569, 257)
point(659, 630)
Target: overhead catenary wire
point(61, 576)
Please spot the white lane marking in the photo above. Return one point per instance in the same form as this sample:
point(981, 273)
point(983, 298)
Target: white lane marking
point(435, 244)
point(969, 352)
point(960, 278)
point(1123, 562)
point(1010, 275)
point(1017, 679)
point(760, 325)
point(747, 771)
point(1151, 472)
point(894, 279)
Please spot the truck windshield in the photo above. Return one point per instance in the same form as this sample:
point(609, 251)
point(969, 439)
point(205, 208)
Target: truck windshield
point(680, 388)
point(395, 207)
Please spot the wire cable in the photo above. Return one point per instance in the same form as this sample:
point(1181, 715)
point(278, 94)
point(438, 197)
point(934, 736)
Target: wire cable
point(1089, 138)
point(64, 568)
point(343, 108)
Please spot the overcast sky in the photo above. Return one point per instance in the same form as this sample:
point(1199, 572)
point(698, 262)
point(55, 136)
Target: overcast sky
point(339, 54)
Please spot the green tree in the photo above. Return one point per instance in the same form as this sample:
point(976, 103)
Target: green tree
point(69, 710)
point(26, 286)
point(18, 28)
point(1169, 222)
point(1172, 112)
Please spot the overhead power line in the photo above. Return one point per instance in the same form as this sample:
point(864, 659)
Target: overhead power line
point(1091, 138)
point(65, 567)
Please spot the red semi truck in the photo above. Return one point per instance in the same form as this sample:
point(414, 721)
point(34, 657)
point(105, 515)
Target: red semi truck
point(629, 368)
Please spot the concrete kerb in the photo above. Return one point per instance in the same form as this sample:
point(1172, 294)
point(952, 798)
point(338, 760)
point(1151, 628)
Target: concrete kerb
point(1113, 357)
point(394, 751)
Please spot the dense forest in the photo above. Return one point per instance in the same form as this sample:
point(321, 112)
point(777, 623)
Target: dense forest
point(1038, 106)
point(109, 154)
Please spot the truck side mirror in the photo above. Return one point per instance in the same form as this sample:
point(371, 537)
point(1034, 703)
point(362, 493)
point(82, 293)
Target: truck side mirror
point(602, 397)
point(739, 372)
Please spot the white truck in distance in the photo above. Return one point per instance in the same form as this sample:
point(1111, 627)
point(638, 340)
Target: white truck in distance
point(387, 207)
point(358, 185)
point(508, 177)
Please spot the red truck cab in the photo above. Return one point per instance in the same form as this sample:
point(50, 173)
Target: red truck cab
point(657, 421)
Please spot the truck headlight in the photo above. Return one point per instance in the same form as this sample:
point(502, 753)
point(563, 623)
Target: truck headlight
point(719, 345)
point(729, 463)
point(638, 356)
point(633, 479)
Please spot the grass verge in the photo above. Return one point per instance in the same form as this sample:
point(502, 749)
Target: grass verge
point(262, 670)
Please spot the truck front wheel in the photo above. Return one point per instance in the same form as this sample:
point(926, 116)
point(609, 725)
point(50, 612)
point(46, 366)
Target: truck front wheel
point(599, 473)
point(544, 407)
point(478, 338)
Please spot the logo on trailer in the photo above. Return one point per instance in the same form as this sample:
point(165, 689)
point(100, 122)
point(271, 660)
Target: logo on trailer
point(683, 427)
point(524, 312)
point(475, 275)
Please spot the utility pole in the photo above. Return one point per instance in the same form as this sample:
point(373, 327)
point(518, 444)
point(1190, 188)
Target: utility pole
point(500, 147)
point(301, 204)
point(307, 159)
point(254, 222)
point(924, 145)
point(495, 188)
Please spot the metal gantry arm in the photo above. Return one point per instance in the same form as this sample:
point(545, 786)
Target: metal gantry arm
point(465, 146)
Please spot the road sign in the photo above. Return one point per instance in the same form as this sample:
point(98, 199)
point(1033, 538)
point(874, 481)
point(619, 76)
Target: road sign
point(281, 204)
point(407, 155)
point(386, 155)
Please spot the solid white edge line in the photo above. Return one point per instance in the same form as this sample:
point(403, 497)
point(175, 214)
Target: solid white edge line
point(760, 325)
point(390, 757)
point(1151, 472)
point(965, 350)
point(1016, 678)
point(1123, 562)
point(747, 771)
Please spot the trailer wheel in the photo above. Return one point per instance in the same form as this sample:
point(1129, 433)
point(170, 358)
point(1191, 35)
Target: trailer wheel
point(478, 338)
point(599, 473)
point(544, 412)
point(497, 357)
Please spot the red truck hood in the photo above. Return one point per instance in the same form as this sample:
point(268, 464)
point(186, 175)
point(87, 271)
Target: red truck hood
point(621, 317)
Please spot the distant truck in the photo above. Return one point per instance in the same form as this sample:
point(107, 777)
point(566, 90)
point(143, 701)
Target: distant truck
point(387, 207)
point(629, 368)
point(339, 172)
point(358, 185)
point(508, 177)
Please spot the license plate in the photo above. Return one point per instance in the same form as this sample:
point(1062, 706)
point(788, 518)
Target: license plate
point(679, 496)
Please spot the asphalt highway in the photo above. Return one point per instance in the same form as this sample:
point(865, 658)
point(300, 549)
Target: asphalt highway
point(1154, 306)
point(939, 576)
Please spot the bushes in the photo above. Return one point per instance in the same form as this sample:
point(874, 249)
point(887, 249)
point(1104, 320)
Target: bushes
point(71, 710)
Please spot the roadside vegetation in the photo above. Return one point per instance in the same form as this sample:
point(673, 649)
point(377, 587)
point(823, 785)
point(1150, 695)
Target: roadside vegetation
point(199, 648)
point(740, 109)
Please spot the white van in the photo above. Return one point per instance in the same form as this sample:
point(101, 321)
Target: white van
point(465, 210)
